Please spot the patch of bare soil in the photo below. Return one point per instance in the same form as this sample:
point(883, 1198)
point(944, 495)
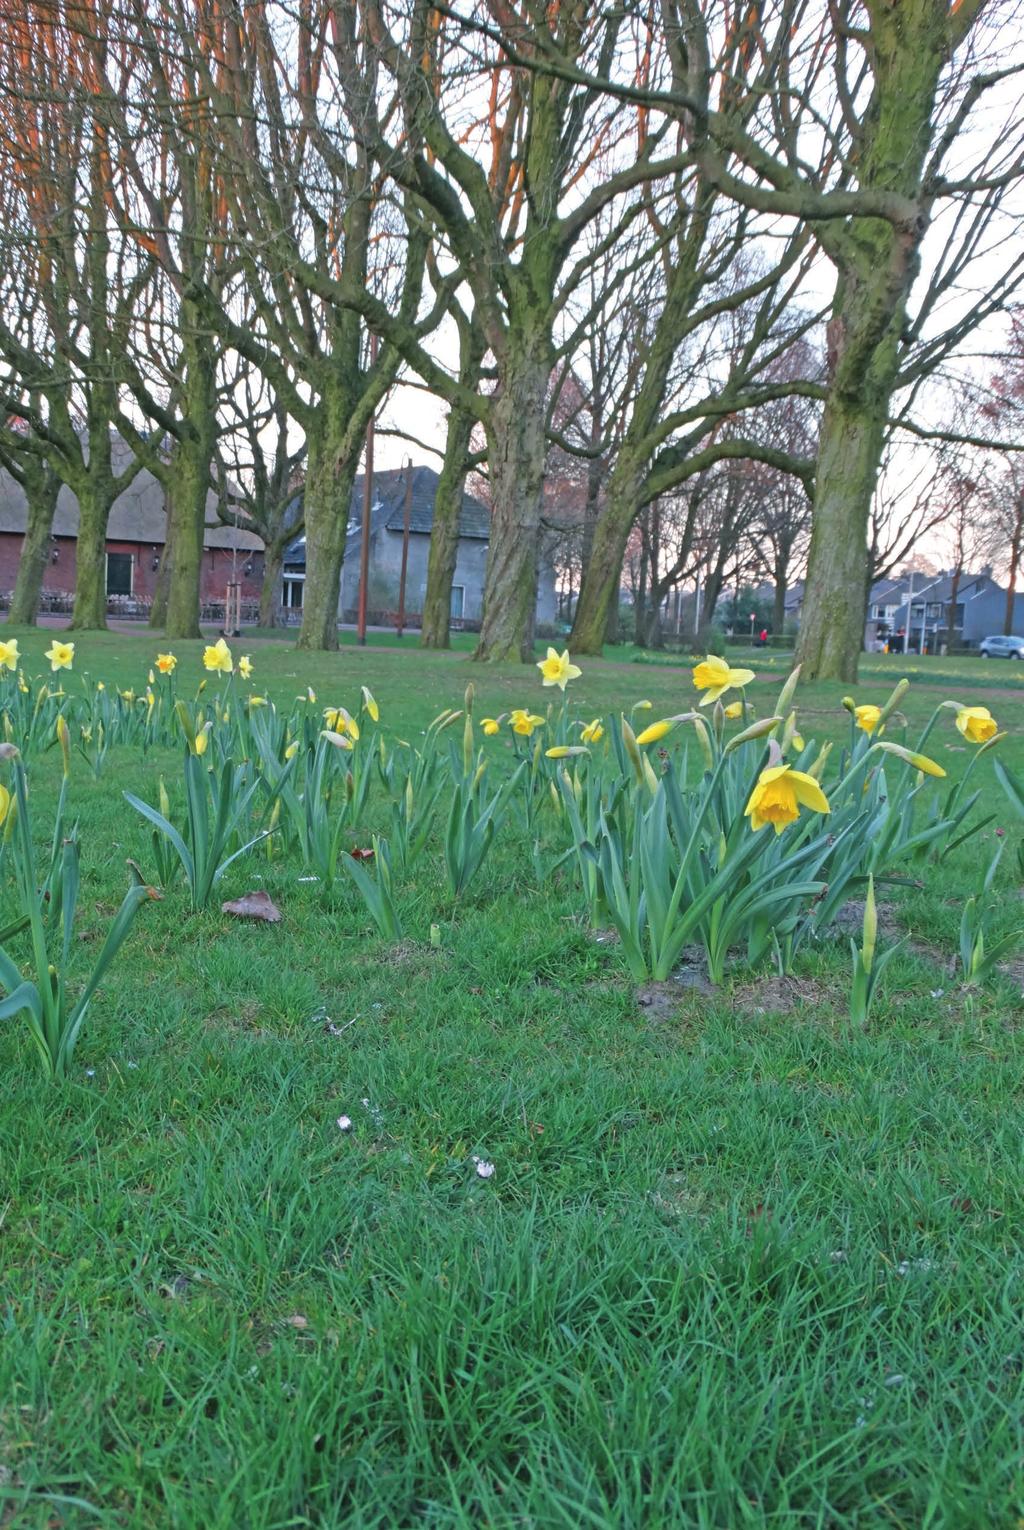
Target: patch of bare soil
point(662, 1000)
point(850, 918)
point(779, 995)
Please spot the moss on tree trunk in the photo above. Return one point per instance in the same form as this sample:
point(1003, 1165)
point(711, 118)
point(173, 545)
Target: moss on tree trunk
point(517, 442)
point(42, 487)
point(444, 532)
point(90, 608)
point(327, 499)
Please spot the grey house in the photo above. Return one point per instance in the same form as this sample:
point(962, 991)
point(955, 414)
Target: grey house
point(914, 610)
point(386, 536)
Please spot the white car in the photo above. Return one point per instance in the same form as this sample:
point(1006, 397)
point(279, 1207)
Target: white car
point(1002, 647)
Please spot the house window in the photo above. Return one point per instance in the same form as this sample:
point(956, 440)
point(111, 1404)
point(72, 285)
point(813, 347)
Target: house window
point(458, 602)
point(119, 573)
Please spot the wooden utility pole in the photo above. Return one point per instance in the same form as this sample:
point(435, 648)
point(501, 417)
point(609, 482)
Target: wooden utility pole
point(364, 550)
point(405, 545)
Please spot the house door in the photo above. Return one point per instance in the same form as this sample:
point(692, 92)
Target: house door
point(119, 573)
point(293, 593)
point(458, 602)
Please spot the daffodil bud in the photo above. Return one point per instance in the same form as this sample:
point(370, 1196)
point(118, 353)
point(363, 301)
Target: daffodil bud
point(870, 926)
point(564, 751)
point(409, 799)
point(64, 739)
point(187, 725)
point(478, 777)
point(718, 722)
point(756, 730)
point(656, 732)
point(630, 741)
point(704, 740)
point(556, 800)
point(165, 801)
point(789, 733)
point(467, 733)
point(468, 698)
point(649, 776)
point(787, 693)
point(919, 761)
point(817, 770)
point(900, 690)
point(9, 751)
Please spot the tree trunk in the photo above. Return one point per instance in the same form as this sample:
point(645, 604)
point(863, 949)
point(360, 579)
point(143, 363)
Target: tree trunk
point(516, 449)
point(90, 609)
point(327, 500)
point(270, 594)
point(849, 451)
point(158, 604)
point(42, 487)
point(599, 587)
point(779, 602)
point(444, 532)
point(188, 483)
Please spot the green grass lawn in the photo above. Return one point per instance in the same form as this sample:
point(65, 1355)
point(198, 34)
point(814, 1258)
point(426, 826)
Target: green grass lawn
point(736, 1265)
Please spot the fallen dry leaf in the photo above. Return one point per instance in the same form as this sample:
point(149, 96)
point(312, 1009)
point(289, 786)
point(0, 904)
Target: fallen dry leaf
point(254, 905)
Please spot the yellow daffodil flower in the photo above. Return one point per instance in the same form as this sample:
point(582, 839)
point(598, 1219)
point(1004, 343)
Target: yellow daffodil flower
point(245, 666)
point(310, 696)
point(217, 656)
point(9, 654)
point(976, 724)
point(339, 720)
point(593, 732)
point(491, 725)
point(128, 696)
point(556, 669)
point(867, 717)
point(714, 676)
point(655, 732)
point(257, 701)
point(734, 710)
point(292, 750)
point(203, 738)
point(166, 663)
point(523, 722)
point(23, 684)
point(60, 655)
point(371, 706)
point(779, 795)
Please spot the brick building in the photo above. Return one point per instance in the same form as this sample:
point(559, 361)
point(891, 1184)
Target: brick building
point(136, 532)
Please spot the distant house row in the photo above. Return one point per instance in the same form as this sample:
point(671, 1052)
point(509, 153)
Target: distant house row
point(136, 535)
point(912, 611)
point(137, 532)
point(387, 519)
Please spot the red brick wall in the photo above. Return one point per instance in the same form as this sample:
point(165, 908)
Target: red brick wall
point(60, 575)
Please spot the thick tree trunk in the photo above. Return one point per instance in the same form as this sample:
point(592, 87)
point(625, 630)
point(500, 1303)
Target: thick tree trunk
point(188, 483)
point(516, 443)
point(779, 603)
point(832, 624)
point(90, 608)
point(270, 594)
point(598, 601)
point(158, 604)
point(42, 487)
point(444, 532)
point(327, 499)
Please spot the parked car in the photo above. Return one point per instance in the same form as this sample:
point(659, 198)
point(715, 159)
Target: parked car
point(1002, 647)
